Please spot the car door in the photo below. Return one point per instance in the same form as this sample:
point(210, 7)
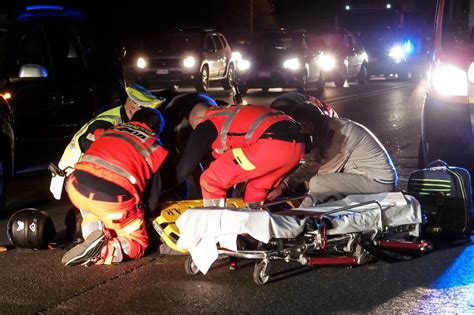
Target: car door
point(226, 51)
point(359, 52)
point(33, 99)
point(210, 55)
point(352, 56)
point(75, 84)
point(311, 60)
point(220, 56)
point(56, 107)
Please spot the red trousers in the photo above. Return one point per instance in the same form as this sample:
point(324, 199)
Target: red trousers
point(123, 222)
point(272, 159)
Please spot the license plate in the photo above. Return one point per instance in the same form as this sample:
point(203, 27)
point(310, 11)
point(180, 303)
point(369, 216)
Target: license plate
point(264, 74)
point(56, 186)
point(162, 71)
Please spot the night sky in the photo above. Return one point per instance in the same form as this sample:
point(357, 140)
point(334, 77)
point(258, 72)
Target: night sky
point(138, 20)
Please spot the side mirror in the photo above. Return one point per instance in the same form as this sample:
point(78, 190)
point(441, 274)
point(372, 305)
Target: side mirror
point(31, 70)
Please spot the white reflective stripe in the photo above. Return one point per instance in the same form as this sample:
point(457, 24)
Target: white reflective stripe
point(133, 226)
point(125, 245)
point(117, 255)
point(384, 181)
point(144, 152)
point(225, 128)
point(257, 123)
point(114, 216)
point(219, 151)
point(111, 167)
point(90, 136)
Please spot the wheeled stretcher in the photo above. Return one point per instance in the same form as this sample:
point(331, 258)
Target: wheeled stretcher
point(346, 232)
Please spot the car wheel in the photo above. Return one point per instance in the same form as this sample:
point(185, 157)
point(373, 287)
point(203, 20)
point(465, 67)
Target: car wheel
point(3, 179)
point(404, 75)
point(319, 86)
point(229, 81)
point(362, 75)
point(339, 81)
point(243, 89)
point(303, 86)
point(202, 85)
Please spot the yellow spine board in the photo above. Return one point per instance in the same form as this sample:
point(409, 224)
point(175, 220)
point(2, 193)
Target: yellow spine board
point(171, 211)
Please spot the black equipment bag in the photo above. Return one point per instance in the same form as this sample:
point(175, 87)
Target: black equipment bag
point(444, 193)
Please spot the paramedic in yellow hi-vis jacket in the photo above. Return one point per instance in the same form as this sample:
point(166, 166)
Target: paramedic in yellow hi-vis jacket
point(138, 97)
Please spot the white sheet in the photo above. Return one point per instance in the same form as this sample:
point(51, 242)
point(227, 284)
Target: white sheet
point(201, 229)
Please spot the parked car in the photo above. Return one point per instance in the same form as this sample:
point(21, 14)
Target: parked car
point(447, 131)
point(182, 57)
point(343, 56)
point(54, 76)
point(279, 59)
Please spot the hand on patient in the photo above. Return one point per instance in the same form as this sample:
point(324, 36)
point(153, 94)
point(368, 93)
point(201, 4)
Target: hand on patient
point(277, 192)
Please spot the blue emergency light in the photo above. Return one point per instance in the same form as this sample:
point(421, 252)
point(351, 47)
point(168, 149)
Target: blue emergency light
point(44, 7)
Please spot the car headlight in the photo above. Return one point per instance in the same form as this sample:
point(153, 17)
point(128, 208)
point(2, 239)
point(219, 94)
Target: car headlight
point(397, 53)
point(449, 80)
point(141, 63)
point(243, 65)
point(189, 62)
point(236, 55)
point(292, 64)
point(365, 56)
point(327, 62)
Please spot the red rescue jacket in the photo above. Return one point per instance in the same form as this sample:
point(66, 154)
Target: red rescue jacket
point(238, 126)
point(126, 155)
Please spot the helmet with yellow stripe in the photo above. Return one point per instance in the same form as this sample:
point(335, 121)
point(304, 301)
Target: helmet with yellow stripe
point(143, 97)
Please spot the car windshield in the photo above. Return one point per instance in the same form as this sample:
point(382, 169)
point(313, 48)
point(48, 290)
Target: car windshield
point(322, 41)
point(181, 42)
point(458, 24)
point(277, 42)
point(367, 20)
point(380, 38)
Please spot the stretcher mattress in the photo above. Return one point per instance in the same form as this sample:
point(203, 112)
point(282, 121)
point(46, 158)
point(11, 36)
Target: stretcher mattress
point(395, 209)
point(201, 229)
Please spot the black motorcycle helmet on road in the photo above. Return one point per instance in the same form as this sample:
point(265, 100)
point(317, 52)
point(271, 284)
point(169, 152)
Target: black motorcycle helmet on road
point(31, 228)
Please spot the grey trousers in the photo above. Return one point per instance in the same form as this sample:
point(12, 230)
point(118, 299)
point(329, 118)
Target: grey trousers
point(328, 187)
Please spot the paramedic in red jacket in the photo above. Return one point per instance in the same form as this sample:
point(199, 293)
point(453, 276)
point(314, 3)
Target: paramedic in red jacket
point(109, 182)
point(249, 143)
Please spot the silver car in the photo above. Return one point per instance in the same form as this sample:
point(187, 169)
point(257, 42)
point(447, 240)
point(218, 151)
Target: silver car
point(183, 57)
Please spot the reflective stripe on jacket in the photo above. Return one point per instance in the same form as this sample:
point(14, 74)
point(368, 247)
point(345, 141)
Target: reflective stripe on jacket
point(127, 155)
point(73, 151)
point(238, 126)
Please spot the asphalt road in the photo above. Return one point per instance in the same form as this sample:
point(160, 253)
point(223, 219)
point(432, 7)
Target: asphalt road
point(440, 282)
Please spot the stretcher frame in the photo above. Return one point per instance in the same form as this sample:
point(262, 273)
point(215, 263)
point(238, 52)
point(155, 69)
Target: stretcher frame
point(316, 248)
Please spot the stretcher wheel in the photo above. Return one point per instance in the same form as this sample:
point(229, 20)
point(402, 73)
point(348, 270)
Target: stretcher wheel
point(189, 267)
point(261, 272)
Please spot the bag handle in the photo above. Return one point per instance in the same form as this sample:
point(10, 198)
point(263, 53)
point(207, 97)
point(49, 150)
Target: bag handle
point(438, 163)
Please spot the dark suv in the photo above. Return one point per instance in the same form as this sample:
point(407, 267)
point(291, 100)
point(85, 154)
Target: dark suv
point(54, 76)
point(183, 57)
point(279, 59)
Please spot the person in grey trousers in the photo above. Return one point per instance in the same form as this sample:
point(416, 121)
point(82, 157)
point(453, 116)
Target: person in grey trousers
point(345, 158)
